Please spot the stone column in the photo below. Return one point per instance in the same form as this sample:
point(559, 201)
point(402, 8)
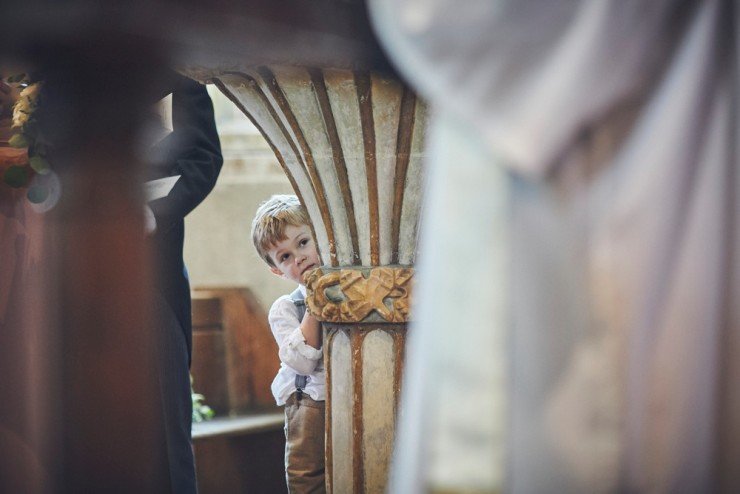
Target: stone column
point(350, 142)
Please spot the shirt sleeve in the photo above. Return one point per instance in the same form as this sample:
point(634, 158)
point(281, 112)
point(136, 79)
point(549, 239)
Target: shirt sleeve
point(286, 328)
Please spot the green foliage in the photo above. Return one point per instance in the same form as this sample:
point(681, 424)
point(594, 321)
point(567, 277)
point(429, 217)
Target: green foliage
point(18, 141)
point(201, 411)
point(16, 176)
point(40, 165)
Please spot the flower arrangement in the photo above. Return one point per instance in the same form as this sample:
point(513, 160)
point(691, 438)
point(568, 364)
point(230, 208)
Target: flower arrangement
point(23, 150)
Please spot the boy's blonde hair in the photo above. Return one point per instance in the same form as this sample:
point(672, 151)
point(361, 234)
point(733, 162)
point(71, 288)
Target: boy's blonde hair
point(271, 219)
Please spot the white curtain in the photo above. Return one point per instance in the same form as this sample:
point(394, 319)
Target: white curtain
point(578, 315)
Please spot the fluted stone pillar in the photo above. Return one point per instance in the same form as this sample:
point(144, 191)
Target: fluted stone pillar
point(350, 142)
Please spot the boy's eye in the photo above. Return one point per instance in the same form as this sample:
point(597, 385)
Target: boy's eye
point(284, 257)
point(303, 242)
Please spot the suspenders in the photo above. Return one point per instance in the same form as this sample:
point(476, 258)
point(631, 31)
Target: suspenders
point(300, 302)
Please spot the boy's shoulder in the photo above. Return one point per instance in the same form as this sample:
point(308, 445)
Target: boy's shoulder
point(284, 306)
point(281, 301)
point(299, 294)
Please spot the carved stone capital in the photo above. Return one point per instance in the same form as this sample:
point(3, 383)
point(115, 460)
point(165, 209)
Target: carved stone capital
point(351, 295)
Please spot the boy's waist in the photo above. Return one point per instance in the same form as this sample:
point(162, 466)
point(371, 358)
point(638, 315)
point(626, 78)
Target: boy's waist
point(304, 401)
point(286, 380)
point(283, 386)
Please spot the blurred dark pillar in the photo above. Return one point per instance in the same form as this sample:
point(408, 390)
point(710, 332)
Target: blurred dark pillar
point(26, 349)
point(107, 420)
point(81, 411)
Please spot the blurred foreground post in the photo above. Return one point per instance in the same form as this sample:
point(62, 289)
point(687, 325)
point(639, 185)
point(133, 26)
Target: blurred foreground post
point(84, 414)
point(110, 406)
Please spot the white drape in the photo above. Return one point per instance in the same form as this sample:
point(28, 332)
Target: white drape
point(578, 322)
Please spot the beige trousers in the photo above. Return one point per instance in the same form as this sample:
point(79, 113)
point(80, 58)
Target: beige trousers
point(304, 445)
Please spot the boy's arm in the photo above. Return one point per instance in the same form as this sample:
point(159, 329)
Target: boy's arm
point(311, 330)
point(293, 348)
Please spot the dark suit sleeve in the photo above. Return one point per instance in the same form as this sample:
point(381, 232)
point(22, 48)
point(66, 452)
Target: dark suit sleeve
point(192, 151)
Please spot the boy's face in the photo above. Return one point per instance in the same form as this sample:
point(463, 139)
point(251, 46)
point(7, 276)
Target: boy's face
point(295, 255)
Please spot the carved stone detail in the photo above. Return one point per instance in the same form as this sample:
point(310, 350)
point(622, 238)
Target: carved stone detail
point(349, 295)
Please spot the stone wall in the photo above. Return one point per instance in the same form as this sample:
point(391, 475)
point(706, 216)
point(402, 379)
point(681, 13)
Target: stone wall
point(218, 247)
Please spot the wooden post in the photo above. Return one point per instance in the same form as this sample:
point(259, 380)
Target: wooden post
point(76, 323)
point(110, 411)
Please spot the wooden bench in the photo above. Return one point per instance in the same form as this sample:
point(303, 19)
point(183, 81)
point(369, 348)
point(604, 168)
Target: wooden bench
point(235, 357)
point(243, 454)
point(234, 362)
point(239, 425)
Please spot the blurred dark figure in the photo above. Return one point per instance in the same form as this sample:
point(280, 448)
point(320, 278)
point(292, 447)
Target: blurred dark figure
point(193, 152)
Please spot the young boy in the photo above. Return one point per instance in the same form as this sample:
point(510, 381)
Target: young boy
point(282, 237)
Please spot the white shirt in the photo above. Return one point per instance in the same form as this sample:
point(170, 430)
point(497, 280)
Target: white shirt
point(296, 356)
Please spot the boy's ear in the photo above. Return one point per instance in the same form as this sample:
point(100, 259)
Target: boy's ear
point(276, 271)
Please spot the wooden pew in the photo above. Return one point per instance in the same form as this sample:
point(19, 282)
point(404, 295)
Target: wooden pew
point(234, 362)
